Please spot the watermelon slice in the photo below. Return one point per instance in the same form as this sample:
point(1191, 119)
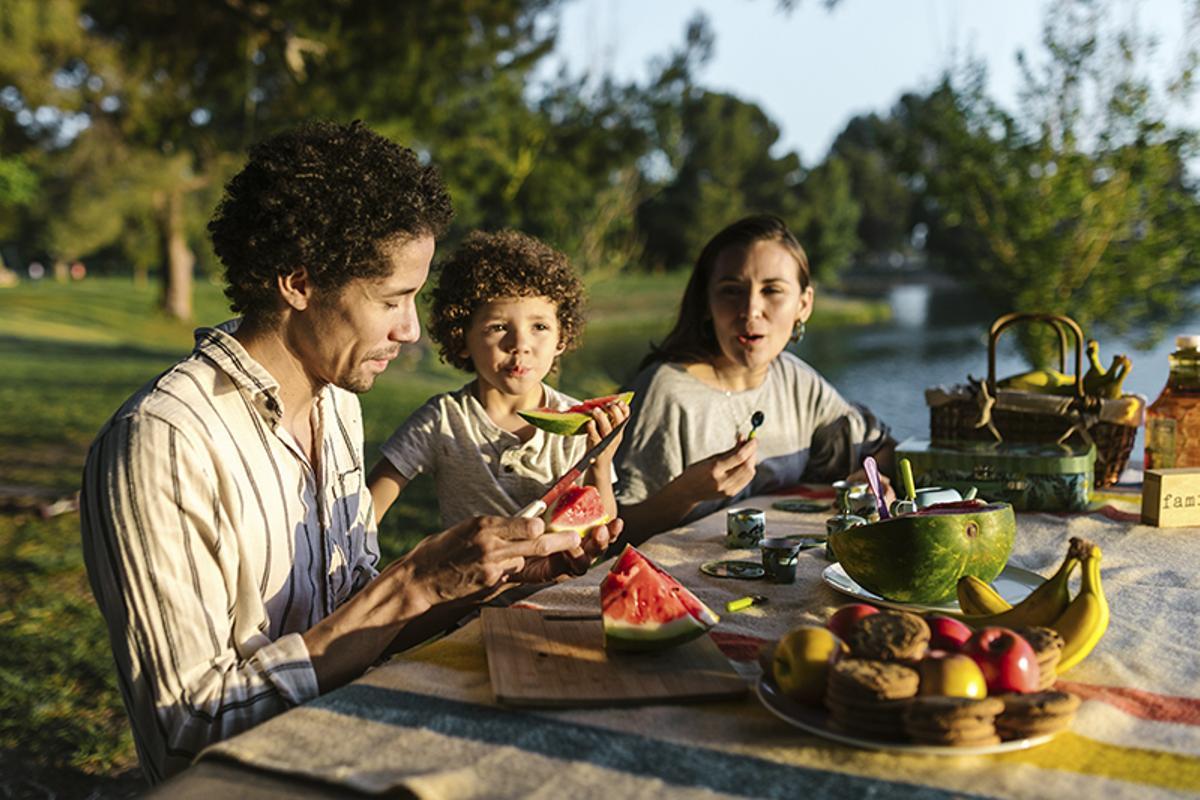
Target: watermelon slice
point(644, 608)
point(571, 421)
point(579, 509)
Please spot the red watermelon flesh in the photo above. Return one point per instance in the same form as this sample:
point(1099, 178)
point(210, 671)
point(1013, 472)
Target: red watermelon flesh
point(644, 608)
point(579, 509)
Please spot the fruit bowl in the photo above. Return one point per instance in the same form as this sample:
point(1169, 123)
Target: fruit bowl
point(918, 558)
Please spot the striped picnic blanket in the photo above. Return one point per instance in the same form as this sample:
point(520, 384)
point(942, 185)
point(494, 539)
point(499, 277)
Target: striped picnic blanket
point(426, 721)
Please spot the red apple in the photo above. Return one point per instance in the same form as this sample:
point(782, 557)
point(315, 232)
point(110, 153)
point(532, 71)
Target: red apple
point(842, 620)
point(947, 633)
point(1007, 661)
point(951, 674)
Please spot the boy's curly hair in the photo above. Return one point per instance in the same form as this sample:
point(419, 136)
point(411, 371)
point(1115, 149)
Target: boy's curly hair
point(489, 266)
point(327, 197)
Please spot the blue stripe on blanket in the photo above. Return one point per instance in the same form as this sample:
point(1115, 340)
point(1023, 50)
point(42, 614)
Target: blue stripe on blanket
point(679, 764)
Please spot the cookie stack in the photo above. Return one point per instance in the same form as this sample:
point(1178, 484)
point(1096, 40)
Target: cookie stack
point(1047, 644)
point(868, 698)
point(953, 721)
point(1035, 714)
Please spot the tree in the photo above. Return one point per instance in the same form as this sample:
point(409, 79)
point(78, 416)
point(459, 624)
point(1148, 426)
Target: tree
point(1082, 204)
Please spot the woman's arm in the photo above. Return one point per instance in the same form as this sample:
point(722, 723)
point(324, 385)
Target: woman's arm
point(386, 483)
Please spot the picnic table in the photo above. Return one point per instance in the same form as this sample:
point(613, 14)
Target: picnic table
point(426, 723)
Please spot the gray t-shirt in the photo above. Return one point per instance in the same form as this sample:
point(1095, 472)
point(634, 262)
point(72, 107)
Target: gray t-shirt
point(478, 467)
point(810, 433)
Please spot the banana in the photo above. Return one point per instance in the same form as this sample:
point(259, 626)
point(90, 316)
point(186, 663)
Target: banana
point(1086, 618)
point(978, 598)
point(1045, 603)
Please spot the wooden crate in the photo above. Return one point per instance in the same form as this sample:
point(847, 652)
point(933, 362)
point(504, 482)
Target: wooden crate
point(1171, 497)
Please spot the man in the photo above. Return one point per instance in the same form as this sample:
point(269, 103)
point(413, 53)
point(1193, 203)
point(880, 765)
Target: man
point(227, 527)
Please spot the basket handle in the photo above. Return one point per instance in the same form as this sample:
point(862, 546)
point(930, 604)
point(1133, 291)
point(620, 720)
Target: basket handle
point(1060, 324)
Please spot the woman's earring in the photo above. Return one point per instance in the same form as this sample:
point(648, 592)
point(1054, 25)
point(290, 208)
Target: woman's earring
point(798, 331)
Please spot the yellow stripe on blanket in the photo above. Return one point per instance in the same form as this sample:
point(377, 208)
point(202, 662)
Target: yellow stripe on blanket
point(1072, 752)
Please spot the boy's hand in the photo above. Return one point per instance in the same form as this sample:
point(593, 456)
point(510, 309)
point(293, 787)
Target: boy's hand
point(603, 421)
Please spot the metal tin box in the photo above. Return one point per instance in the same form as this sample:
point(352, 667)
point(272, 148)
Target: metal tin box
point(1032, 477)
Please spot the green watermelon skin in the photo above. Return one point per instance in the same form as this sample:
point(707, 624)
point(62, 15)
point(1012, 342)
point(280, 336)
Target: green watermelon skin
point(570, 422)
point(644, 609)
point(918, 558)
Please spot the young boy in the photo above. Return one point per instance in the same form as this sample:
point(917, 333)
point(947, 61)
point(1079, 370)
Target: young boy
point(506, 307)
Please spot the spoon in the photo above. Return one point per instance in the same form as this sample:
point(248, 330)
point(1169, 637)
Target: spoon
point(756, 419)
point(872, 470)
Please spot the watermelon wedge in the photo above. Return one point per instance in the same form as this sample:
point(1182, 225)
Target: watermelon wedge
point(571, 421)
point(644, 608)
point(579, 509)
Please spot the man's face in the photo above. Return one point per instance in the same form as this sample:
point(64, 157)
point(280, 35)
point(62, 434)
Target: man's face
point(353, 334)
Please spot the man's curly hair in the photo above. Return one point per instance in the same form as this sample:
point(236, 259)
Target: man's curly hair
point(326, 197)
point(490, 266)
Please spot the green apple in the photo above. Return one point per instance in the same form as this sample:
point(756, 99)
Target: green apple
point(951, 674)
point(802, 661)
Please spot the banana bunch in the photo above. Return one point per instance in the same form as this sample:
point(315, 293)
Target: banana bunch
point(1081, 620)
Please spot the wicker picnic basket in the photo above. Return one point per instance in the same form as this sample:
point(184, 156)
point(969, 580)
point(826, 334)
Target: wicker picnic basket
point(978, 411)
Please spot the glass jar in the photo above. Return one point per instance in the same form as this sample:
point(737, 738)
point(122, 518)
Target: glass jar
point(1173, 420)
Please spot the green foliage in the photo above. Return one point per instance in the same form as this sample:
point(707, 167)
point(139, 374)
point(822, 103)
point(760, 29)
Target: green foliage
point(1076, 207)
point(828, 218)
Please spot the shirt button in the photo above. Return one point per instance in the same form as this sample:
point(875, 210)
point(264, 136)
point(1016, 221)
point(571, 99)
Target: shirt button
point(509, 467)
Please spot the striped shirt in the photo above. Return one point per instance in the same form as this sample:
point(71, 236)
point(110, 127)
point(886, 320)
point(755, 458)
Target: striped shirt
point(211, 543)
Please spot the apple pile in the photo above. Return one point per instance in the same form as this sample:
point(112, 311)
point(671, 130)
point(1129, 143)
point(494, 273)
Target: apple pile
point(959, 661)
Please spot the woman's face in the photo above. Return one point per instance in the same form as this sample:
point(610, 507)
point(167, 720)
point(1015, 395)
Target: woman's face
point(755, 299)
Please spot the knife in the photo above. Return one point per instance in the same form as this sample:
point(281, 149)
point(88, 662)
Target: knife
point(566, 481)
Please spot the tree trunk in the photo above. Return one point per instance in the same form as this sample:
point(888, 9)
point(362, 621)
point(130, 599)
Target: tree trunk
point(177, 258)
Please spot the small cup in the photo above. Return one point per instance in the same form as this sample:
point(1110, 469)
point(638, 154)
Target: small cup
point(779, 559)
point(935, 494)
point(744, 527)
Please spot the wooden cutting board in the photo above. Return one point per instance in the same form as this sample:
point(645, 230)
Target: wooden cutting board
point(557, 660)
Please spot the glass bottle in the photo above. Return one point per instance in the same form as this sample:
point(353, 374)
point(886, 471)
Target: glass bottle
point(844, 519)
point(1173, 420)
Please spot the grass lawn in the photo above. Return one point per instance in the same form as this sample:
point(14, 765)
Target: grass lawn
point(70, 355)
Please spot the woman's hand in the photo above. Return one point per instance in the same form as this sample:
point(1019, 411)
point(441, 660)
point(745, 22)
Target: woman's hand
point(889, 494)
point(719, 476)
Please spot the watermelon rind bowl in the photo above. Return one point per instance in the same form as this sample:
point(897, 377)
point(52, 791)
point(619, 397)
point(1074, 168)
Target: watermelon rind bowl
point(918, 558)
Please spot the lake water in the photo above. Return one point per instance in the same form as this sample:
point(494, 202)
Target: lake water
point(887, 367)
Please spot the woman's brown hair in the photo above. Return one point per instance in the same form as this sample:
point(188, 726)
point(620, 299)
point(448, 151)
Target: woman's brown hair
point(692, 339)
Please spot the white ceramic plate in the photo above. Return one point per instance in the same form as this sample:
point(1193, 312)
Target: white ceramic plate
point(1013, 583)
point(816, 722)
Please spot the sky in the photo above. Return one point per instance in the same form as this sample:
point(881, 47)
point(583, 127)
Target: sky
point(814, 69)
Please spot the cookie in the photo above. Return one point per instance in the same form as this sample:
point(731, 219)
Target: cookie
point(932, 711)
point(1044, 641)
point(859, 679)
point(1036, 714)
point(890, 636)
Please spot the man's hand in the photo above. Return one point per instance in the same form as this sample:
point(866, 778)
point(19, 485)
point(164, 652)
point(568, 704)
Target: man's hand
point(719, 476)
point(574, 561)
point(479, 553)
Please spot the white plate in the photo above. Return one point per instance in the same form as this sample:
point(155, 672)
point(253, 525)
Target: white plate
point(816, 722)
point(1013, 583)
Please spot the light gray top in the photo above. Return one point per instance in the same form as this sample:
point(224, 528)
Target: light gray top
point(810, 433)
point(478, 467)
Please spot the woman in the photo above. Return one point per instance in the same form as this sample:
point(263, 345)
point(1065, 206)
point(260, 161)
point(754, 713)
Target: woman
point(749, 295)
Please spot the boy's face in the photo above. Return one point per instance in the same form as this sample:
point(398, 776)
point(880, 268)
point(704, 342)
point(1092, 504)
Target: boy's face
point(353, 335)
point(513, 341)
